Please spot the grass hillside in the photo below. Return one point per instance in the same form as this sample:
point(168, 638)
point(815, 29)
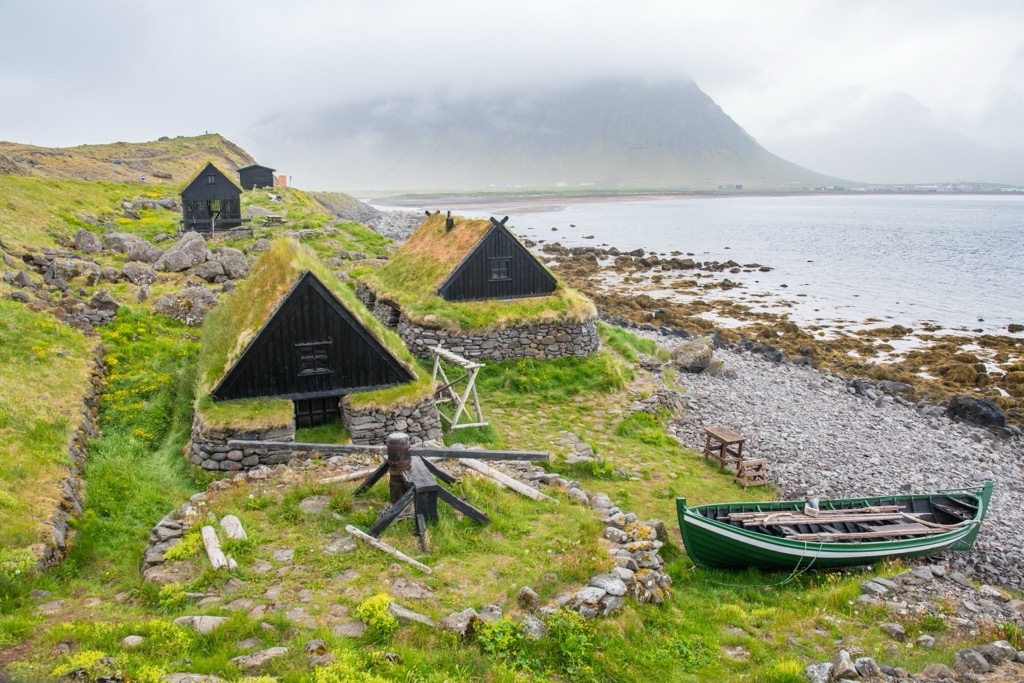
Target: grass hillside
point(165, 161)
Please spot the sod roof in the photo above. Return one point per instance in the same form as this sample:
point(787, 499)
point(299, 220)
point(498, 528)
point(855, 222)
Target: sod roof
point(411, 278)
point(232, 326)
point(192, 178)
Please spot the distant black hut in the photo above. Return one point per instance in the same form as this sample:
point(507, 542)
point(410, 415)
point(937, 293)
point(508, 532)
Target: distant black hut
point(498, 267)
point(253, 176)
point(312, 350)
point(211, 201)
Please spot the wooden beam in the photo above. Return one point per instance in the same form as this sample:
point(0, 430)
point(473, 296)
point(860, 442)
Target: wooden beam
point(392, 513)
point(382, 546)
point(349, 449)
point(463, 507)
point(351, 476)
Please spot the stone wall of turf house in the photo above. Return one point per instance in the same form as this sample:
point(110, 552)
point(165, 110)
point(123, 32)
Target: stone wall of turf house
point(208, 447)
point(541, 341)
point(372, 425)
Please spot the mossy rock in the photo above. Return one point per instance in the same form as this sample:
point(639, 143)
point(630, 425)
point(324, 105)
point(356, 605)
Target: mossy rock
point(960, 374)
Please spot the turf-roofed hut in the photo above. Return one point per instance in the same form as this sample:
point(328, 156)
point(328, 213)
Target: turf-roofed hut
point(293, 346)
point(210, 201)
point(471, 286)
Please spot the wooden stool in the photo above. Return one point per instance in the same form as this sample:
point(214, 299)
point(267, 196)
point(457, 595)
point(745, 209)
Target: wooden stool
point(724, 445)
point(752, 473)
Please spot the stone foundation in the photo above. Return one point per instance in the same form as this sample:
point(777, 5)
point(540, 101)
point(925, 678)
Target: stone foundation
point(541, 341)
point(58, 536)
point(209, 449)
point(372, 425)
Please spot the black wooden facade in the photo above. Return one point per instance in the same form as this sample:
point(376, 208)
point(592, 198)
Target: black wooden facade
point(253, 176)
point(211, 202)
point(498, 267)
point(312, 350)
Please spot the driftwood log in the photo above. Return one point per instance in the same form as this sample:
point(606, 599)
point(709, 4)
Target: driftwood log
point(504, 479)
point(390, 550)
point(212, 545)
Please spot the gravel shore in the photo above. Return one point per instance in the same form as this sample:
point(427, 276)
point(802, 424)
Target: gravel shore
point(822, 438)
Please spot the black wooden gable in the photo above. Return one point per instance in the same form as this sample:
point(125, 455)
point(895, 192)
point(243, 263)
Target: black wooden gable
point(312, 346)
point(498, 267)
point(252, 176)
point(211, 201)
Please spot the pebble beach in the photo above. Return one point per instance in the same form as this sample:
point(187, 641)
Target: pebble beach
point(823, 437)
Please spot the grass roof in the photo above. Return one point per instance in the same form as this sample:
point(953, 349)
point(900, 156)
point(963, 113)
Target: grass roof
point(192, 178)
point(411, 278)
point(231, 327)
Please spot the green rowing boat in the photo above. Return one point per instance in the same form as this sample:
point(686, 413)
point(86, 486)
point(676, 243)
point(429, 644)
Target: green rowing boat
point(793, 535)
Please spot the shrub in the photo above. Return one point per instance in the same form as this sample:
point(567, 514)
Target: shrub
point(573, 641)
point(373, 612)
point(645, 428)
point(503, 640)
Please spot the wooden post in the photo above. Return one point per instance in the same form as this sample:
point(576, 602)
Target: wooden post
point(399, 461)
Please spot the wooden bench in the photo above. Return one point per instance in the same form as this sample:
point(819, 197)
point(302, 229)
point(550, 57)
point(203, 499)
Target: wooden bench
point(724, 445)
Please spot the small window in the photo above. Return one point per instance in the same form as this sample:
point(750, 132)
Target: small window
point(211, 179)
point(499, 268)
point(314, 358)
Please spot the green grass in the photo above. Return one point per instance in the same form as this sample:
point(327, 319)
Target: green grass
point(44, 376)
point(331, 432)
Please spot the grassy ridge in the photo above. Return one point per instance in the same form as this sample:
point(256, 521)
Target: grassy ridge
point(44, 377)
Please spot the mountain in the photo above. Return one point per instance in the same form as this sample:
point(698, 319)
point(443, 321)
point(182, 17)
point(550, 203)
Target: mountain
point(170, 160)
point(896, 140)
point(604, 134)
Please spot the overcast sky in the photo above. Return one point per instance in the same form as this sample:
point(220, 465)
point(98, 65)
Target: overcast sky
point(75, 72)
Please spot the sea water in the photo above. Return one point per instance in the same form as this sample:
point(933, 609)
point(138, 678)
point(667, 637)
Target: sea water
point(955, 261)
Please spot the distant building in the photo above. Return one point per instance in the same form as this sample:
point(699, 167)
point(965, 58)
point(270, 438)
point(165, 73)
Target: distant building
point(252, 176)
point(282, 180)
point(731, 186)
point(210, 201)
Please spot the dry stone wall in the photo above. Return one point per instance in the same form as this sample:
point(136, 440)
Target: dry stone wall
point(209, 448)
point(372, 425)
point(541, 341)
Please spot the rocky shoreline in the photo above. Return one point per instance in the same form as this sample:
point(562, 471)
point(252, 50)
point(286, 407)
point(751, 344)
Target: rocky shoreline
point(823, 435)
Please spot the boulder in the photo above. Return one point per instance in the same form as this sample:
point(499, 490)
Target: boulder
point(257, 660)
point(137, 248)
point(189, 306)
point(695, 355)
point(139, 273)
point(976, 411)
point(463, 623)
point(233, 262)
point(209, 271)
point(66, 269)
point(187, 253)
point(102, 301)
point(87, 242)
point(202, 623)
